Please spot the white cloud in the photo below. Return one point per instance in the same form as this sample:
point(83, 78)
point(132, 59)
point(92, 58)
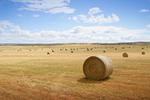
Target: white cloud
point(19, 15)
point(61, 10)
point(94, 11)
point(148, 25)
point(51, 6)
point(96, 19)
point(8, 31)
point(103, 34)
point(144, 10)
point(35, 15)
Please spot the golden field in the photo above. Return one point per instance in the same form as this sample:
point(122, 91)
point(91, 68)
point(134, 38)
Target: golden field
point(29, 73)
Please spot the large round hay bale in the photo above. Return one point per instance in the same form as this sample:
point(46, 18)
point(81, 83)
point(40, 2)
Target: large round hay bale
point(143, 53)
point(98, 67)
point(125, 54)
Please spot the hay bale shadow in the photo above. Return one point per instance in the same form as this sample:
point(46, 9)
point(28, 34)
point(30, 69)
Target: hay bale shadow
point(89, 81)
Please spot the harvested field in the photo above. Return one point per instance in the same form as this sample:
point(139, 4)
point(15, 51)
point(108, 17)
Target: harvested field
point(31, 74)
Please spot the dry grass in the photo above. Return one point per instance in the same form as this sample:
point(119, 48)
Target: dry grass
point(33, 75)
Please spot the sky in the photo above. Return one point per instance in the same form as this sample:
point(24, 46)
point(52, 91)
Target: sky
point(74, 21)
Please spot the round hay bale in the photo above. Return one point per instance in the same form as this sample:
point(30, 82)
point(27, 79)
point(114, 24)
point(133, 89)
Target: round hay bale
point(143, 53)
point(48, 53)
point(123, 48)
point(125, 54)
point(104, 51)
point(97, 67)
point(71, 51)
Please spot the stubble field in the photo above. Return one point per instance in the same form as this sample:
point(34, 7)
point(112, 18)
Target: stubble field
point(29, 73)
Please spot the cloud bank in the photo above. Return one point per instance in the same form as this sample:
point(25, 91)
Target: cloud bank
point(10, 33)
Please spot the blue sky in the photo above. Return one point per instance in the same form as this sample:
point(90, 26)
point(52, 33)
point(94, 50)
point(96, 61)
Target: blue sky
point(74, 21)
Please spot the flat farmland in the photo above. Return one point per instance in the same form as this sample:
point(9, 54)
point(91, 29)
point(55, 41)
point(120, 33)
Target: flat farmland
point(29, 73)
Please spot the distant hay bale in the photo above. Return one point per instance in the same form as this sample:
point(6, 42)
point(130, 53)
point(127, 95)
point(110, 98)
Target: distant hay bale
point(115, 48)
point(143, 53)
point(104, 51)
point(98, 67)
point(52, 50)
point(125, 54)
point(87, 49)
point(19, 50)
point(71, 51)
point(48, 53)
point(142, 48)
point(123, 48)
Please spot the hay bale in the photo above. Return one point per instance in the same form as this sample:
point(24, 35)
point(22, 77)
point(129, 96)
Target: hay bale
point(143, 53)
point(71, 51)
point(48, 53)
point(97, 67)
point(52, 50)
point(104, 51)
point(123, 48)
point(125, 54)
point(87, 49)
